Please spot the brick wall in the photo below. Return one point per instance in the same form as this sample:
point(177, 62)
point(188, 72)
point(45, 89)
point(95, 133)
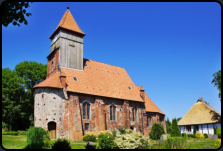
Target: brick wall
point(52, 63)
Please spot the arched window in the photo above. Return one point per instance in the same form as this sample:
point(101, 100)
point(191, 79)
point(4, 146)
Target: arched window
point(134, 114)
point(148, 121)
point(112, 112)
point(86, 109)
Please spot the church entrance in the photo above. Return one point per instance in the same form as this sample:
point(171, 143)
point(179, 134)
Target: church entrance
point(52, 130)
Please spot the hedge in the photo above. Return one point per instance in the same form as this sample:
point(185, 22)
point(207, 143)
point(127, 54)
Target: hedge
point(10, 133)
point(22, 132)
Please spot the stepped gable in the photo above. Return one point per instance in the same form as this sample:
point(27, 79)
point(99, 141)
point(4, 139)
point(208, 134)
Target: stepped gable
point(200, 113)
point(150, 106)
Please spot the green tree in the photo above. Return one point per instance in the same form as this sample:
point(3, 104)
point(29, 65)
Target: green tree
point(178, 119)
point(217, 81)
point(12, 97)
point(194, 130)
point(175, 129)
point(32, 74)
point(168, 126)
point(14, 12)
point(156, 131)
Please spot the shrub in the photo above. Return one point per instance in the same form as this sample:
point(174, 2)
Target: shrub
point(156, 131)
point(105, 141)
point(199, 135)
point(122, 130)
point(34, 137)
point(217, 144)
point(114, 133)
point(46, 139)
point(61, 144)
point(168, 135)
point(175, 129)
point(191, 135)
point(128, 131)
point(218, 132)
point(5, 129)
point(131, 141)
point(22, 132)
point(205, 135)
point(90, 136)
point(175, 143)
point(4, 124)
point(184, 134)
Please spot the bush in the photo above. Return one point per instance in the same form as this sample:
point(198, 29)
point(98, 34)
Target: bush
point(218, 132)
point(199, 135)
point(10, 133)
point(217, 144)
point(106, 140)
point(122, 130)
point(61, 144)
point(46, 139)
point(90, 136)
point(131, 141)
point(34, 137)
point(184, 134)
point(22, 132)
point(175, 143)
point(156, 131)
point(175, 129)
point(205, 135)
point(191, 135)
point(114, 133)
point(168, 135)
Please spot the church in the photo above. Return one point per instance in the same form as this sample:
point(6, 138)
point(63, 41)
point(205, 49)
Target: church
point(81, 95)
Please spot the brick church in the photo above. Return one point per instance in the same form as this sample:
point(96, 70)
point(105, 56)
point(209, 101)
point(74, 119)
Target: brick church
point(81, 95)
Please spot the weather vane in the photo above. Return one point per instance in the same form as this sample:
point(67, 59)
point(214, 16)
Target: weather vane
point(68, 6)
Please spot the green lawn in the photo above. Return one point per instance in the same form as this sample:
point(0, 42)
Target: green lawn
point(19, 142)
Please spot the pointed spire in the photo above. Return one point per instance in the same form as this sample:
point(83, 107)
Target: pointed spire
point(68, 22)
point(141, 88)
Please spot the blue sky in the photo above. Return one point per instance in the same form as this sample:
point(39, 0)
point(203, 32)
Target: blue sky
point(171, 49)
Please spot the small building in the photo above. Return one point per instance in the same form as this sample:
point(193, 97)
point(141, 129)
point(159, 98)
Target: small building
point(81, 95)
point(201, 115)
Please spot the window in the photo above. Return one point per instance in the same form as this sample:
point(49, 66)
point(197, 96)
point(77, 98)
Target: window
point(75, 78)
point(112, 112)
point(86, 110)
point(129, 88)
point(86, 126)
point(188, 128)
point(149, 121)
point(134, 114)
point(197, 129)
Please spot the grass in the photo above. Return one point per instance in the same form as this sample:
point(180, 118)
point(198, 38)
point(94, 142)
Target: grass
point(192, 143)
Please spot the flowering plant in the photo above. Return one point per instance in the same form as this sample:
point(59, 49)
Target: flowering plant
point(199, 135)
point(90, 136)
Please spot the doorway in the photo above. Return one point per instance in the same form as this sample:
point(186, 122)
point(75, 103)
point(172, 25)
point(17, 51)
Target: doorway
point(52, 130)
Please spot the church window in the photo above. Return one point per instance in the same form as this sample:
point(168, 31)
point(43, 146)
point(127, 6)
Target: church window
point(86, 126)
point(86, 110)
point(149, 121)
point(112, 112)
point(75, 78)
point(134, 114)
point(85, 64)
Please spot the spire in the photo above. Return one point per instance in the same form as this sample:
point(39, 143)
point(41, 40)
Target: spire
point(68, 22)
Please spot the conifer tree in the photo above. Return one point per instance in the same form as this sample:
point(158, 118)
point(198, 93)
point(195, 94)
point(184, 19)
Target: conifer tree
point(175, 129)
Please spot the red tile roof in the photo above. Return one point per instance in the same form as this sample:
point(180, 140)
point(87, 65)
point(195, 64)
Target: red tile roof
point(68, 22)
point(150, 106)
point(103, 80)
point(53, 82)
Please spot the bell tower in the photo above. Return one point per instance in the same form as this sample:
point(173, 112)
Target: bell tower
point(66, 45)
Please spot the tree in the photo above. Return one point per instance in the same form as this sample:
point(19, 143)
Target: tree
point(168, 126)
point(32, 74)
point(194, 130)
point(12, 97)
point(156, 131)
point(14, 12)
point(217, 81)
point(178, 119)
point(175, 129)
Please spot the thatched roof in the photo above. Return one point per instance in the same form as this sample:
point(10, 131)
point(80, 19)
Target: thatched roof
point(200, 113)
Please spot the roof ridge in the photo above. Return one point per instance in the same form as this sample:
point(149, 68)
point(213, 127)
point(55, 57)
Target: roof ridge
point(104, 63)
point(64, 18)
